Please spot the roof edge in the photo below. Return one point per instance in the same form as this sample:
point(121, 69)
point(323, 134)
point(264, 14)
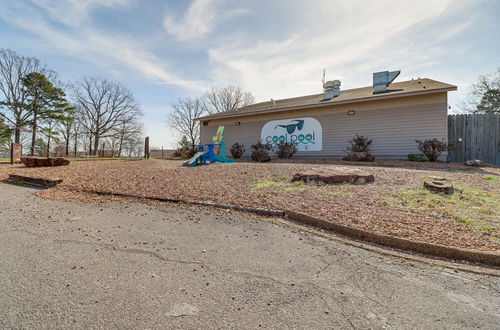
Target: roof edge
point(365, 99)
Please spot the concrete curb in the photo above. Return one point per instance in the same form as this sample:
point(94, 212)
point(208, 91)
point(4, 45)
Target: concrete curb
point(265, 212)
point(436, 250)
point(430, 249)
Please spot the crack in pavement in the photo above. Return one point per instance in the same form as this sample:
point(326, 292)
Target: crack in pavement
point(133, 251)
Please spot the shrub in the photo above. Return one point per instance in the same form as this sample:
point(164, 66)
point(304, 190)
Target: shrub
point(432, 149)
point(358, 149)
point(285, 149)
point(259, 146)
point(186, 148)
point(359, 144)
point(186, 152)
point(359, 157)
point(260, 152)
point(417, 158)
point(237, 150)
point(177, 153)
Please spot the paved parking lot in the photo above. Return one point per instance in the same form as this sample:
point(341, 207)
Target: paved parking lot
point(115, 265)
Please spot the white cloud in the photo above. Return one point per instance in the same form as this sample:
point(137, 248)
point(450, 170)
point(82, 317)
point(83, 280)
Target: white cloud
point(75, 12)
point(199, 19)
point(349, 39)
point(111, 52)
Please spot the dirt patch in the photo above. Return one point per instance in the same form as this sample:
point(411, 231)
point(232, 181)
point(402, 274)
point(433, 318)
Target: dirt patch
point(395, 204)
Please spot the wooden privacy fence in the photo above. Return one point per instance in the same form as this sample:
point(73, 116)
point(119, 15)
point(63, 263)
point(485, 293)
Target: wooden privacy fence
point(475, 136)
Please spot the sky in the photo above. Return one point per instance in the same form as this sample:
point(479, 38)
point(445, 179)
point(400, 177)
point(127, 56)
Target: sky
point(162, 49)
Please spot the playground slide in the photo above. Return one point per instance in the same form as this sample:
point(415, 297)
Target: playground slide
point(193, 160)
point(223, 159)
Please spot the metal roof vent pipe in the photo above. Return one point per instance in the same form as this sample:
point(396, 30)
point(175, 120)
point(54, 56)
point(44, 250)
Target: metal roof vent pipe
point(332, 89)
point(382, 80)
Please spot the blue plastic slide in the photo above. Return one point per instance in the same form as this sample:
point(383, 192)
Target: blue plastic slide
point(193, 161)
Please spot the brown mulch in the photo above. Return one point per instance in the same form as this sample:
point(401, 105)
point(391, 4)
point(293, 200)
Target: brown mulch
point(267, 186)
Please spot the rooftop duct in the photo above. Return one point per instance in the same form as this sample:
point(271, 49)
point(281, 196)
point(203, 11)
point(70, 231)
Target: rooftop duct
point(332, 89)
point(382, 80)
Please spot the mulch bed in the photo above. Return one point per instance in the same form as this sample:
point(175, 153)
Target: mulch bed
point(268, 186)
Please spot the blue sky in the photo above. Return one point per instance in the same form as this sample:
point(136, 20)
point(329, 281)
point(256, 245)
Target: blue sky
point(162, 50)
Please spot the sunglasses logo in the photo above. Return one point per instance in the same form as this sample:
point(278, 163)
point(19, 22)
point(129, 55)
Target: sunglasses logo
point(290, 128)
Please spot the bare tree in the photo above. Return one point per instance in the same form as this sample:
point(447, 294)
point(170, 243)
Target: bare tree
point(183, 115)
point(226, 99)
point(133, 143)
point(13, 68)
point(103, 106)
point(484, 96)
point(125, 133)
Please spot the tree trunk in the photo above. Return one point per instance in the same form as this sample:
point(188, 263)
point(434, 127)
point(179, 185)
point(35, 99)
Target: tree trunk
point(120, 146)
point(96, 144)
point(17, 132)
point(76, 143)
point(33, 135)
point(67, 143)
point(17, 135)
point(48, 146)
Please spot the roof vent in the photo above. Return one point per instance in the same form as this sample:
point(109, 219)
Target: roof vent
point(382, 80)
point(332, 89)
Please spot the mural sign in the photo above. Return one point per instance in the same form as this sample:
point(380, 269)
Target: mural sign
point(306, 133)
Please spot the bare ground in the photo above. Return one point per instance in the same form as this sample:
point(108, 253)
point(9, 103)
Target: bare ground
point(394, 204)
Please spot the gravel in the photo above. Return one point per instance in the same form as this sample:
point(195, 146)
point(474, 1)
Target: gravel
point(268, 186)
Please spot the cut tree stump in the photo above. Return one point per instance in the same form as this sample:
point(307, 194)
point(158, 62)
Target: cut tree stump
point(336, 175)
point(44, 161)
point(34, 180)
point(439, 187)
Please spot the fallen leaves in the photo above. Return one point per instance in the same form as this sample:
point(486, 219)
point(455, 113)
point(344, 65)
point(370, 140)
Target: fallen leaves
point(268, 186)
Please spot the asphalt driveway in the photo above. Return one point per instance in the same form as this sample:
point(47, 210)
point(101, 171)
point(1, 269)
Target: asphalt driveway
point(116, 265)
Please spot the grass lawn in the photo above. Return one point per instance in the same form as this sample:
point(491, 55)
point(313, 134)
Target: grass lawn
point(395, 204)
point(477, 208)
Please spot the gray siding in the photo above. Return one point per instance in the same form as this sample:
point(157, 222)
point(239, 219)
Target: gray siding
point(393, 126)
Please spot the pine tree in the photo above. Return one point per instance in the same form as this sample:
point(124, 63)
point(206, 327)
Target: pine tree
point(5, 133)
point(45, 102)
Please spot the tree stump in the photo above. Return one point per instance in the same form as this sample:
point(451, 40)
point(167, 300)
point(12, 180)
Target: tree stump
point(439, 187)
point(475, 163)
point(333, 176)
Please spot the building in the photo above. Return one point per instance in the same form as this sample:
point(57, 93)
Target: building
point(393, 115)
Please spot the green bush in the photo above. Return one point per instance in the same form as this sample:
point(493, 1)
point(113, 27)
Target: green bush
point(432, 148)
point(285, 149)
point(417, 158)
point(359, 143)
point(260, 152)
point(237, 150)
point(259, 146)
point(185, 152)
